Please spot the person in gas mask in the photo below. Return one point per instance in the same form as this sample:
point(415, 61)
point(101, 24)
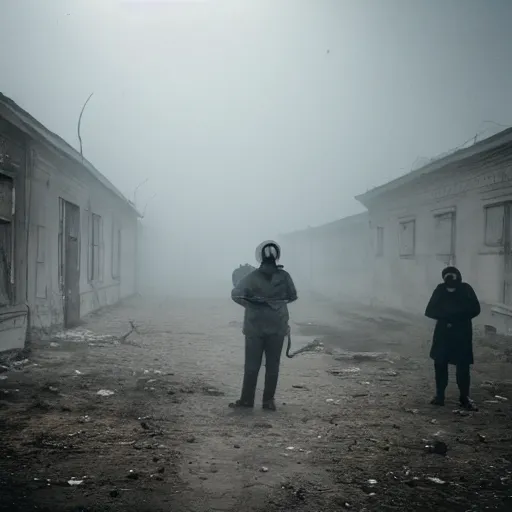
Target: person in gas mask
point(265, 294)
point(453, 305)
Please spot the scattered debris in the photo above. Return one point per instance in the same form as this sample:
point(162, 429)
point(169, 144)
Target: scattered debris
point(80, 335)
point(261, 424)
point(435, 480)
point(133, 328)
point(438, 447)
point(361, 357)
point(343, 371)
point(212, 392)
point(105, 392)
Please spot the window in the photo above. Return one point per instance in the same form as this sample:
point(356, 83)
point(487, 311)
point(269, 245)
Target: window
point(494, 225)
point(116, 251)
point(40, 263)
point(95, 248)
point(444, 226)
point(61, 244)
point(6, 239)
point(407, 238)
point(379, 249)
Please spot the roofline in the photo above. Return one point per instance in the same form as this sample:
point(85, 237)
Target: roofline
point(345, 221)
point(495, 141)
point(35, 129)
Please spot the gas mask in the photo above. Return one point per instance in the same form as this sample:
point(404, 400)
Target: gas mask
point(451, 281)
point(268, 251)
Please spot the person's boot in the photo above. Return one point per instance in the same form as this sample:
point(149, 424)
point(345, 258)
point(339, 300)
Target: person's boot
point(269, 405)
point(468, 404)
point(248, 392)
point(238, 404)
point(269, 391)
point(437, 400)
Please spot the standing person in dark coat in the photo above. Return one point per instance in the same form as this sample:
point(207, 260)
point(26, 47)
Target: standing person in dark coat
point(265, 294)
point(453, 305)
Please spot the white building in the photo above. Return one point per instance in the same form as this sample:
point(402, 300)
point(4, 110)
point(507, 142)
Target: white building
point(455, 210)
point(68, 237)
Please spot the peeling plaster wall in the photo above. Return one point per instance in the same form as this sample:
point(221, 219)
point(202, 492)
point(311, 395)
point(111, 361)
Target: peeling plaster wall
point(53, 177)
point(407, 283)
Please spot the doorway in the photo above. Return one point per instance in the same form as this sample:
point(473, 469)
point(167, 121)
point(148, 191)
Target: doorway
point(69, 264)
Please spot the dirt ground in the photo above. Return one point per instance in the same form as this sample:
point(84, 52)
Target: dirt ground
point(351, 431)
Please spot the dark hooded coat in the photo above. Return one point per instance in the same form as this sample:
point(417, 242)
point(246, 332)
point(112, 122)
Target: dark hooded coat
point(264, 294)
point(453, 312)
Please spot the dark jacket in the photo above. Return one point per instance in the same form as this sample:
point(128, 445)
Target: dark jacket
point(453, 334)
point(264, 294)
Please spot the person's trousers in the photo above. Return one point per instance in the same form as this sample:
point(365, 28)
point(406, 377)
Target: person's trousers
point(462, 376)
point(255, 347)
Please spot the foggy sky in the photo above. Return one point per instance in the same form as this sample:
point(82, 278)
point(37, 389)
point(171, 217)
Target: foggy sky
point(256, 117)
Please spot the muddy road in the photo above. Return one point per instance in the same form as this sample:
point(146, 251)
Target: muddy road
point(93, 422)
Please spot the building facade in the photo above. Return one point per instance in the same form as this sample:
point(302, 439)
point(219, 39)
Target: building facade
point(331, 260)
point(68, 237)
point(453, 211)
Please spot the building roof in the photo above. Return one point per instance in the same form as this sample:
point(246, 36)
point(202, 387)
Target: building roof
point(32, 127)
point(345, 222)
point(485, 146)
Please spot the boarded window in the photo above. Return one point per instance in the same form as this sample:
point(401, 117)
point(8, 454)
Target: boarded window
point(116, 251)
point(407, 238)
point(6, 239)
point(40, 263)
point(444, 233)
point(60, 244)
point(494, 225)
point(379, 242)
point(5, 262)
point(95, 248)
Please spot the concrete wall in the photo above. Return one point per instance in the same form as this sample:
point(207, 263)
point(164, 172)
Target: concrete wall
point(14, 316)
point(52, 177)
point(407, 282)
point(331, 260)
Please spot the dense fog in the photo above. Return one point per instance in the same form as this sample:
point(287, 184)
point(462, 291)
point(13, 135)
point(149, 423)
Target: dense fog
point(230, 122)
